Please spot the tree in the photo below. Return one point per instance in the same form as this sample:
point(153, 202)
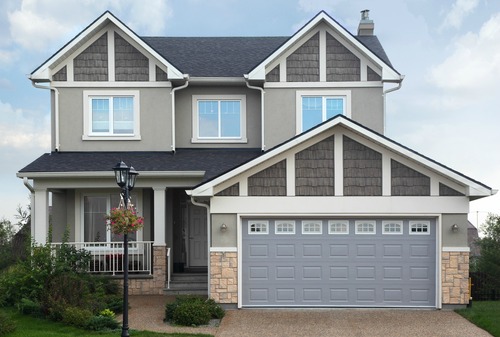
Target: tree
point(489, 261)
point(6, 235)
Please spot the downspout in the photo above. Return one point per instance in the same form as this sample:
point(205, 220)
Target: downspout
point(186, 77)
point(262, 128)
point(400, 83)
point(56, 112)
point(207, 207)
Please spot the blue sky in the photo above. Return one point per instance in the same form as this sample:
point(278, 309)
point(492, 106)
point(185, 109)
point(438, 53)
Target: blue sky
point(449, 51)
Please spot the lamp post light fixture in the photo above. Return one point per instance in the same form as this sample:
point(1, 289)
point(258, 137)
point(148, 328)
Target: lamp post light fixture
point(125, 178)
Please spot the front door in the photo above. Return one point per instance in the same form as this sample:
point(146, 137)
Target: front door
point(198, 256)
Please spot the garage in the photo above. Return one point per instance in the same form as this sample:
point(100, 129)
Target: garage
point(333, 262)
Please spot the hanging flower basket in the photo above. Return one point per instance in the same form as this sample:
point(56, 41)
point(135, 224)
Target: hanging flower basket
point(124, 220)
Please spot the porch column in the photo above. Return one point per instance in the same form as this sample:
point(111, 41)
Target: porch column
point(159, 215)
point(40, 219)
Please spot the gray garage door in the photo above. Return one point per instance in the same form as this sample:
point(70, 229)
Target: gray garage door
point(291, 262)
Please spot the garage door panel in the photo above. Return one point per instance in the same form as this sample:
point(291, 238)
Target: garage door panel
point(373, 270)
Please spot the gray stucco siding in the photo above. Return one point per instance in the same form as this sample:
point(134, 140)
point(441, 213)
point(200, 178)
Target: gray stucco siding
point(155, 122)
point(184, 116)
point(450, 238)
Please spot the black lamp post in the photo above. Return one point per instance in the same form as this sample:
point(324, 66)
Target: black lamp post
point(125, 178)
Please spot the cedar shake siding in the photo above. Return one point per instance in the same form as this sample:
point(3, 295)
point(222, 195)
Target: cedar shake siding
point(61, 75)
point(231, 191)
point(447, 191)
point(161, 76)
point(372, 75)
point(130, 64)
point(406, 181)
point(341, 64)
point(273, 75)
point(362, 170)
point(269, 182)
point(314, 170)
point(92, 64)
point(303, 64)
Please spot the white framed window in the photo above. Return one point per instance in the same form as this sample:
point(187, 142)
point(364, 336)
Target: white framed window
point(219, 119)
point(312, 227)
point(95, 207)
point(366, 227)
point(419, 227)
point(315, 107)
point(258, 227)
point(284, 227)
point(338, 227)
point(111, 115)
point(392, 227)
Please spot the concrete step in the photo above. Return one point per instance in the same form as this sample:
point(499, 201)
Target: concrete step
point(188, 283)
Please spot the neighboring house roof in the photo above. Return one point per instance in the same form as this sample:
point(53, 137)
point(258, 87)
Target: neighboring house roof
point(211, 161)
point(472, 238)
point(210, 56)
point(475, 189)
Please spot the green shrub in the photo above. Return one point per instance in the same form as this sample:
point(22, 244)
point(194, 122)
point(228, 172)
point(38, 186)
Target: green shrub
point(29, 307)
point(191, 314)
point(76, 316)
point(7, 325)
point(98, 323)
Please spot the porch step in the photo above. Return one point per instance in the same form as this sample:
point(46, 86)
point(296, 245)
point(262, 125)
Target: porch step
point(188, 284)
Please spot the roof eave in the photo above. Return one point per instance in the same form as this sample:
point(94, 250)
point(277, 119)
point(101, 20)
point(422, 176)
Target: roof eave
point(107, 174)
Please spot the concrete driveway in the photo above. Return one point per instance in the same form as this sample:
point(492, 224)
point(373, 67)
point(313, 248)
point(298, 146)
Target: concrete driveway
point(346, 323)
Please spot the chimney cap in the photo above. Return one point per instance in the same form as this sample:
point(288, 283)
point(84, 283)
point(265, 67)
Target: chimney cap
point(366, 26)
point(365, 14)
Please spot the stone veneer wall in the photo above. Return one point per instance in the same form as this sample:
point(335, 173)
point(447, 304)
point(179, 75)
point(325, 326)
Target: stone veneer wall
point(154, 285)
point(224, 277)
point(455, 277)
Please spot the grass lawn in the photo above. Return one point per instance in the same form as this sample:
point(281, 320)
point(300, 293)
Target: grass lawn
point(484, 314)
point(28, 326)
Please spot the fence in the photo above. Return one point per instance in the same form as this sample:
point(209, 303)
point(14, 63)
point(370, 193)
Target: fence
point(484, 287)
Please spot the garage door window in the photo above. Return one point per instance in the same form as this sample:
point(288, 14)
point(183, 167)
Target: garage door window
point(311, 227)
point(392, 227)
point(419, 227)
point(284, 227)
point(365, 227)
point(338, 227)
point(258, 227)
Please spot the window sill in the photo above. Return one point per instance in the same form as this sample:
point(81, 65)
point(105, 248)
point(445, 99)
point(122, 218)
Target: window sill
point(219, 141)
point(87, 137)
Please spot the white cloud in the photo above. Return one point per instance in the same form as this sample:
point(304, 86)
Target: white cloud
point(20, 130)
point(7, 56)
point(45, 24)
point(459, 10)
point(473, 68)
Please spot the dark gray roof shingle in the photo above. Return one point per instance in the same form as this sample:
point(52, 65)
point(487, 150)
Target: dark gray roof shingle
point(229, 56)
point(213, 161)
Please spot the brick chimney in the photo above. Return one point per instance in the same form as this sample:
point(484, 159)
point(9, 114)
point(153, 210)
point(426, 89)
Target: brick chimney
point(366, 25)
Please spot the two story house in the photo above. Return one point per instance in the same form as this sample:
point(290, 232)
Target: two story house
point(262, 162)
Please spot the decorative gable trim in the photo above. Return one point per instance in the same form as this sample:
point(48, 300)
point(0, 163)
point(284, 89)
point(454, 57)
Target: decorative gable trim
point(388, 73)
point(376, 142)
point(43, 72)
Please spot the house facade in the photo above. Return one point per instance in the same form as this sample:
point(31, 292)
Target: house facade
point(262, 161)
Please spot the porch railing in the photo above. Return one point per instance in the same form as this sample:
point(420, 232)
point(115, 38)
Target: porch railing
point(107, 257)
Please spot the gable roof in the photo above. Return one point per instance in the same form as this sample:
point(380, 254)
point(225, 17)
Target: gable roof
point(476, 188)
point(42, 72)
point(363, 44)
point(208, 56)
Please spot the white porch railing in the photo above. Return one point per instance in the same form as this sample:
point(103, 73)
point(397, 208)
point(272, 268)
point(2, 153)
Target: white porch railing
point(107, 257)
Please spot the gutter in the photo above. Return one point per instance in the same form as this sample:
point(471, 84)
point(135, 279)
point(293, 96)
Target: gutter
point(400, 83)
point(262, 115)
point(28, 185)
point(207, 207)
point(56, 112)
point(186, 77)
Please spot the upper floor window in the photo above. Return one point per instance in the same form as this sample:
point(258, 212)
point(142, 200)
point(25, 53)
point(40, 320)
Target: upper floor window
point(111, 114)
point(219, 118)
point(315, 107)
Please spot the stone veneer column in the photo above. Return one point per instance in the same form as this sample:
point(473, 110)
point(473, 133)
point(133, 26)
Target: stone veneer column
point(156, 284)
point(455, 277)
point(224, 277)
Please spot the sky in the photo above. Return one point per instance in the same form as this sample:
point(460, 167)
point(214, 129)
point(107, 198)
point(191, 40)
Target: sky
point(448, 107)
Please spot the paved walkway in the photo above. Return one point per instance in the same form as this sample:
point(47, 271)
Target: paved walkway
point(147, 313)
